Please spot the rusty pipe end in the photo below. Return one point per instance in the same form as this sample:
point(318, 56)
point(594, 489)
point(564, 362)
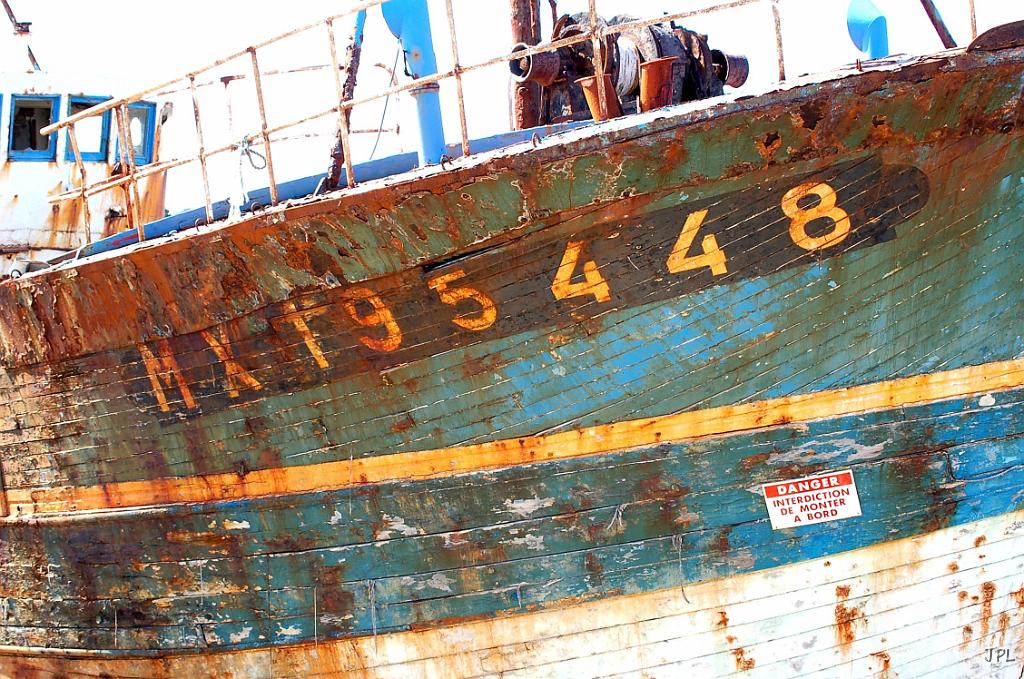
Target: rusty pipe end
point(656, 88)
point(732, 69)
point(592, 92)
point(542, 68)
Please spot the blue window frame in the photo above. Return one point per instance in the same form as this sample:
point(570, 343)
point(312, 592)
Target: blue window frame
point(93, 143)
point(29, 114)
point(144, 114)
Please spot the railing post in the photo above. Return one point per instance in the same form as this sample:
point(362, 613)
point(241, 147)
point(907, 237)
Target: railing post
point(133, 182)
point(127, 153)
point(457, 68)
point(263, 125)
point(343, 131)
point(777, 17)
point(202, 148)
point(598, 61)
point(80, 166)
point(5, 507)
point(974, 19)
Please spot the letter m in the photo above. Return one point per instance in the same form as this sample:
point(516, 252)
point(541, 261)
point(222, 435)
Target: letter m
point(164, 373)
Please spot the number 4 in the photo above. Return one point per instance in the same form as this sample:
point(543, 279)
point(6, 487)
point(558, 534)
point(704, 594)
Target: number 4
point(712, 257)
point(593, 282)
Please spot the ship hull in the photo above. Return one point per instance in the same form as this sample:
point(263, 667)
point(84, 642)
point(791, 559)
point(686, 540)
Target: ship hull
point(940, 604)
point(517, 417)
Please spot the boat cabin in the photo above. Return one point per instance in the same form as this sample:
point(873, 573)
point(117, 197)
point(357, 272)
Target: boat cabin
point(34, 166)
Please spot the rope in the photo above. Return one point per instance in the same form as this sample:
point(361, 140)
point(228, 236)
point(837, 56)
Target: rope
point(246, 149)
point(380, 127)
point(257, 161)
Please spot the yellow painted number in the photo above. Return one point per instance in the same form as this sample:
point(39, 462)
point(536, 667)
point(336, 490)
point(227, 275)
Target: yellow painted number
point(482, 319)
point(593, 282)
point(381, 317)
point(712, 256)
point(825, 209)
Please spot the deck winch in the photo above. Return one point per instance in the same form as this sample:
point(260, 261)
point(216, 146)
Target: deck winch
point(697, 70)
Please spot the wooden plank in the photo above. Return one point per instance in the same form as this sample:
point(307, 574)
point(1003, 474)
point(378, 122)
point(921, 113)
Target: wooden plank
point(916, 390)
point(671, 524)
point(885, 583)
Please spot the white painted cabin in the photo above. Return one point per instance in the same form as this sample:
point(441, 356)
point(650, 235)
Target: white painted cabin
point(34, 167)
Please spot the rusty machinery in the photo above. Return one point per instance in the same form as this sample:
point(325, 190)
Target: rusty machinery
point(698, 71)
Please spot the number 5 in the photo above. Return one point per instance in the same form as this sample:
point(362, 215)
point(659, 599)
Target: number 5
point(451, 296)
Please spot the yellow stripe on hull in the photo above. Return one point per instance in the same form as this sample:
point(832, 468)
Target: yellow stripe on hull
point(916, 390)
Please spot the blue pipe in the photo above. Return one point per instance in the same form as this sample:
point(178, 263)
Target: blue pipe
point(868, 28)
point(409, 21)
point(360, 26)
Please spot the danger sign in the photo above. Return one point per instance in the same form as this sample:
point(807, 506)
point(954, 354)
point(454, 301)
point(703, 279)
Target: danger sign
point(813, 499)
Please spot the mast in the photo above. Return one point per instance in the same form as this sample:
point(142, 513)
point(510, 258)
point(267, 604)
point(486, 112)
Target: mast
point(525, 95)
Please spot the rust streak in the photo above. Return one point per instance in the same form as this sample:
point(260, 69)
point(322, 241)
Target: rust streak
point(988, 593)
point(968, 634)
point(743, 663)
point(846, 618)
point(885, 662)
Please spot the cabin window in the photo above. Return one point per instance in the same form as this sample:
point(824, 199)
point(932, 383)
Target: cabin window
point(142, 122)
point(29, 114)
point(92, 134)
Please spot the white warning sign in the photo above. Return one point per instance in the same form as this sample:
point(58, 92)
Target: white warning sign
point(813, 499)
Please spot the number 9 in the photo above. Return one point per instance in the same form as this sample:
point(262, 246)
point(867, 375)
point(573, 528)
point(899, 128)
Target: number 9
point(380, 317)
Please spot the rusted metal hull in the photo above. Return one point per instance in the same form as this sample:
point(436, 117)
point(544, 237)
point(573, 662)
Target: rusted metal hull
point(464, 421)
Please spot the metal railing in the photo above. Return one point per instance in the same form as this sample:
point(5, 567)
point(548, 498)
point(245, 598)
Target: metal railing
point(594, 32)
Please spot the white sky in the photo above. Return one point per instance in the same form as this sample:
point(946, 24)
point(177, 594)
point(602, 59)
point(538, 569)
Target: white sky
point(117, 46)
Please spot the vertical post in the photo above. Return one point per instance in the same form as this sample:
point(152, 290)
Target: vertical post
point(940, 26)
point(974, 19)
point(80, 166)
point(202, 148)
point(343, 131)
point(263, 125)
point(127, 152)
point(526, 95)
point(133, 183)
point(458, 78)
point(595, 40)
point(121, 143)
point(5, 508)
point(778, 39)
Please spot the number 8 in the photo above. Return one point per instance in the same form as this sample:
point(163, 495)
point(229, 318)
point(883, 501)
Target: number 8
point(826, 208)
